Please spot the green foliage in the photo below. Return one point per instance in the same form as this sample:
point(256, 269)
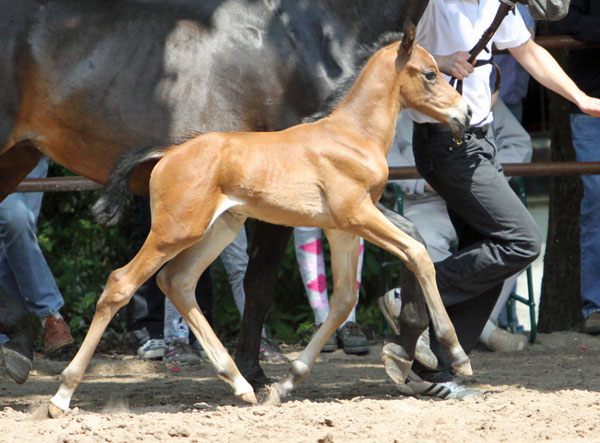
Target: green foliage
point(82, 254)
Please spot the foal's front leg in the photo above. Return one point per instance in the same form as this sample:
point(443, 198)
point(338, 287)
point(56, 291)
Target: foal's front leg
point(399, 354)
point(370, 224)
point(344, 261)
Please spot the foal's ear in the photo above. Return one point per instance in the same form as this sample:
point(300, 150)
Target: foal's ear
point(408, 39)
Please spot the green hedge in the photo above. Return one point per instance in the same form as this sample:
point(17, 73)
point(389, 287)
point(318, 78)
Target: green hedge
point(82, 254)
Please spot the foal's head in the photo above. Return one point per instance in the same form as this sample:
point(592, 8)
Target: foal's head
point(424, 89)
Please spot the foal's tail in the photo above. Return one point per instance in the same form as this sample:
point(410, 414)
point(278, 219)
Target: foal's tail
point(109, 207)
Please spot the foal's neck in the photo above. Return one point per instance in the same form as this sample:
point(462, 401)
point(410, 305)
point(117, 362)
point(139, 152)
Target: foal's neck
point(372, 104)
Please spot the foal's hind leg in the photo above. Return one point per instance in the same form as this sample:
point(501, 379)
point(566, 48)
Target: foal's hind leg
point(369, 223)
point(344, 261)
point(120, 287)
point(178, 281)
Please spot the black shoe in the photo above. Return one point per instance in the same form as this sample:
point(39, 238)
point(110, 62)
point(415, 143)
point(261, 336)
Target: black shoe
point(352, 340)
point(331, 344)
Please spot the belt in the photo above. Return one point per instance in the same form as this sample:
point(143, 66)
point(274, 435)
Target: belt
point(437, 128)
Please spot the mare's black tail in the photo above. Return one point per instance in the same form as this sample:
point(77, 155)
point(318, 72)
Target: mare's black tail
point(109, 207)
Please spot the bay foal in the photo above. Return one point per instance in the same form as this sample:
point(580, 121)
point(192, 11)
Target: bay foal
point(326, 173)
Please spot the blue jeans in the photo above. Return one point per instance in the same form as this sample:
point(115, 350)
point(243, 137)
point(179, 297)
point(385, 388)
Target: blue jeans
point(24, 273)
point(586, 133)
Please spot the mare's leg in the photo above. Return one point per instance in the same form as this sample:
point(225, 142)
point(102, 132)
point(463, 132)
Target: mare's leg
point(178, 281)
point(413, 316)
point(268, 246)
point(344, 262)
point(369, 223)
point(120, 287)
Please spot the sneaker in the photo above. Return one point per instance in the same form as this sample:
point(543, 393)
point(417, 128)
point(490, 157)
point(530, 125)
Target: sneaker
point(331, 344)
point(180, 353)
point(592, 323)
point(56, 334)
point(352, 340)
point(270, 352)
point(504, 341)
point(152, 349)
point(449, 390)
point(198, 349)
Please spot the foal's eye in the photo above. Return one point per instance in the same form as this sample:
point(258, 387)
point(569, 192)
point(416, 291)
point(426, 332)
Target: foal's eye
point(430, 75)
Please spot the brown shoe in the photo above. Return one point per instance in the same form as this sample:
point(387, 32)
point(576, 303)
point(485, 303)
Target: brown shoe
point(56, 334)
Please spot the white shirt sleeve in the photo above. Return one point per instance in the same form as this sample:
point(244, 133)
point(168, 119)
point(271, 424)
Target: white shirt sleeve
point(512, 32)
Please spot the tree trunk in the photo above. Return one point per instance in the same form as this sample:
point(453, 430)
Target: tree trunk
point(560, 301)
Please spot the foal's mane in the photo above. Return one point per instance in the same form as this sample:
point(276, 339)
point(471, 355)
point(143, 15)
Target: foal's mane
point(365, 52)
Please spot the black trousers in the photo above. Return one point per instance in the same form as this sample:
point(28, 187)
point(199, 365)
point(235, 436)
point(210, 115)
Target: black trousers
point(496, 233)
point(147, 307)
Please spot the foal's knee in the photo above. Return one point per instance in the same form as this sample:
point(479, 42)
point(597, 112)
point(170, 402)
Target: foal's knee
point(419, 261)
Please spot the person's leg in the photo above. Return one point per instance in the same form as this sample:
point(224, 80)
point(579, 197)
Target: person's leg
point(350, 336)
point(24, 272)
point(430, 215)
point(147, 306)
point(309, 254)
point(235, 261)
point(586, 132)
point(497, 235)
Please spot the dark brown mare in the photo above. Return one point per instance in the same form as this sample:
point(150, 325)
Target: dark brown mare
point(84, 81)
point(328, 174)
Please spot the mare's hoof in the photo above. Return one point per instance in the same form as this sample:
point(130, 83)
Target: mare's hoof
point(17, 365)
point(54, 411)
point(248, 397)
point(464, 368)
point(396, 362)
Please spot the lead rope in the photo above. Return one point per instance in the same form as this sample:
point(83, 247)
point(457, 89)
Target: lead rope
point(505, 7)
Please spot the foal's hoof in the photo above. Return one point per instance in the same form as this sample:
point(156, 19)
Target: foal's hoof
point(54, 411)
point(463, 368)
point(271, 397)
point(248, 397)
point(396, 362)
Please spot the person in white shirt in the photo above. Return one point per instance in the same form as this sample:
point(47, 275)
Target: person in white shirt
point(496, 234)
point(427, 210)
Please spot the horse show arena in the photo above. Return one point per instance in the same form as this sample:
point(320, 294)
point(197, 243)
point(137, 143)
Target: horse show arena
point(551, 391)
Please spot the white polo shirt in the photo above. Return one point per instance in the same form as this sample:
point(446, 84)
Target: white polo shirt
point(448, 26)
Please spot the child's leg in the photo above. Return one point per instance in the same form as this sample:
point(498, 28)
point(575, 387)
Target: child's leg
point(176, 329)
point(309, 253)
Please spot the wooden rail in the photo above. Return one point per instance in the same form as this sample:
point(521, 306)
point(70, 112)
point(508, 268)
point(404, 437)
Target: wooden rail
point(65, 184)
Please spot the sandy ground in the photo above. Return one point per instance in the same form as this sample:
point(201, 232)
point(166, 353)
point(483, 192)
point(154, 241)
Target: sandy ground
point(551, 391)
